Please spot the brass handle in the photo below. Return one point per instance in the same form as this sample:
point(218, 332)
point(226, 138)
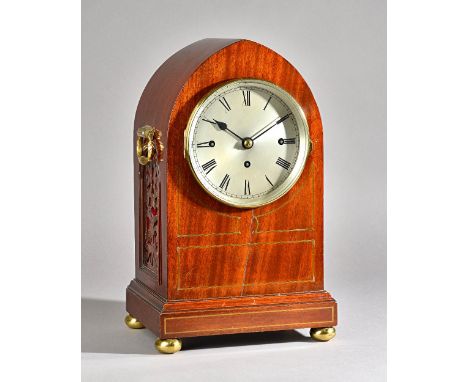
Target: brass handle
point(148, 145)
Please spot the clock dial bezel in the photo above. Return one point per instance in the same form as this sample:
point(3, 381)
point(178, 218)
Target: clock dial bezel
point(304, 149)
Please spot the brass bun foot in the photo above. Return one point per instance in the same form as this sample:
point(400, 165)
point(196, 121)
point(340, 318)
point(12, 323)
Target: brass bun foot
point(133, 323)
point(168, 345)
point(323, 334)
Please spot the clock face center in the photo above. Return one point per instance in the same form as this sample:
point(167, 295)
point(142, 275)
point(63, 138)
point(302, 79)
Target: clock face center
point(247, 143)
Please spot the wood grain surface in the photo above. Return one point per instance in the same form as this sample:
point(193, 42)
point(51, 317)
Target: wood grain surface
point(211, 252)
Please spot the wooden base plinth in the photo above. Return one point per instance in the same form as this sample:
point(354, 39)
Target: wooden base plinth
point(192, 318)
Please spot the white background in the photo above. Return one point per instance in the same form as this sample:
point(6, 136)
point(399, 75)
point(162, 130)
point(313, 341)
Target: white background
point(427, 196)
point(340, 49)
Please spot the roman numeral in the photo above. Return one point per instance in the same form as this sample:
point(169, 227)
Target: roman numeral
point(225, 183)
point(225, 104)
point(267, 103)
point(206, 144)
point(246, 94)
point(287, 141)
point(269, 181)
point(283, 163)
point(246, 187)
point(208, 166)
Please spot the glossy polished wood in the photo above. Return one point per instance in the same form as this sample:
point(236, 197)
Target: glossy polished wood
point(217, 269)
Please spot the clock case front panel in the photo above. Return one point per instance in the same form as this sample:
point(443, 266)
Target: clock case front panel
point(206, 268)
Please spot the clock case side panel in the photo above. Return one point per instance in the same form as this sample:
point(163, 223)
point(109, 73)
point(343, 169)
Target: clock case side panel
point(154, 109)
point(206, 223)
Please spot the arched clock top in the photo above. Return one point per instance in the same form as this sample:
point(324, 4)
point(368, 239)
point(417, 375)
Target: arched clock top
point(177, 80)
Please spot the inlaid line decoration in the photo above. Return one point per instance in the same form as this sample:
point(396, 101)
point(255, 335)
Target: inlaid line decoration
point(306, 324)
point(249, 285)
point(301, 185)
point(253, 244)
point(246, 244)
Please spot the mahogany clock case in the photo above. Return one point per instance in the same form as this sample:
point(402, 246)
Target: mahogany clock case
point(205, 268)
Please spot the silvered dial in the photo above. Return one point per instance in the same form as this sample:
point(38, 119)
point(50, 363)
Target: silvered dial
point(247, 143)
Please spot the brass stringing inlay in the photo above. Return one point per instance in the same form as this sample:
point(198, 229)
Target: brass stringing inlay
point(296, 324)
point(242, 284)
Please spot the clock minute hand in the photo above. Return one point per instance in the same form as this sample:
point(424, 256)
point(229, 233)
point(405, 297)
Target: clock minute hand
point(223, 126)
point(269, 126)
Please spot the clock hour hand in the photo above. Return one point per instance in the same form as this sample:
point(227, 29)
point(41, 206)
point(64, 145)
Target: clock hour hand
point(270, 126)
point(223, 126)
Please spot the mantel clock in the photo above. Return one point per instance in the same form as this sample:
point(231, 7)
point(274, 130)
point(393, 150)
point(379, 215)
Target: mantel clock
point(228, 177)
